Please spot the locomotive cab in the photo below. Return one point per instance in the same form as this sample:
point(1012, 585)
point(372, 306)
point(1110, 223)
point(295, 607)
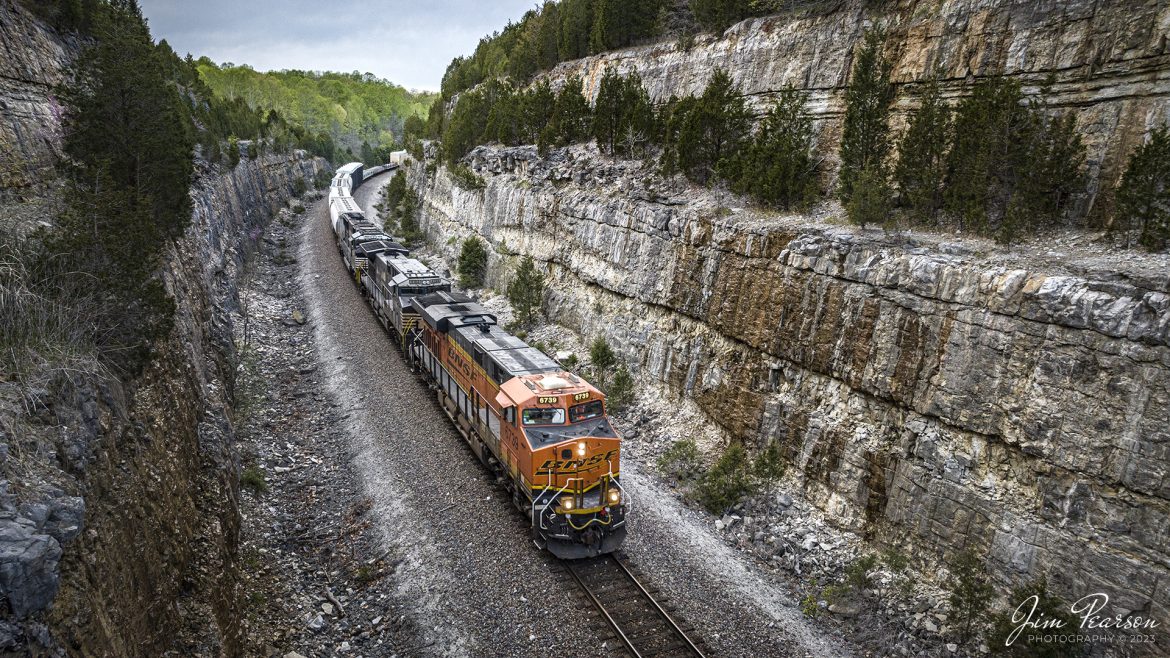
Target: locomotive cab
point(571, 462)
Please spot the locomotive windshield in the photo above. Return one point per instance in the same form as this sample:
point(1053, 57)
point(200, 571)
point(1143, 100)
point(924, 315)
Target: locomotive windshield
point(544, 417)
point(585, 411)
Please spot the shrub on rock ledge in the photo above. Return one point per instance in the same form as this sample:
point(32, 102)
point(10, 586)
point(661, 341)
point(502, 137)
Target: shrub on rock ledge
point(472, 263)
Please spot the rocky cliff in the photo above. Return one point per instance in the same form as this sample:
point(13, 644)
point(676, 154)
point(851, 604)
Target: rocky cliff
point(1107, 62)
point(929, 394)
point(118, 510)
point(119, 519)
point(32, 61)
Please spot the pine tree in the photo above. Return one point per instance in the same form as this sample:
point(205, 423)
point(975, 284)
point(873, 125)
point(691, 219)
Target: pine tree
point(126, 118)
point(571, 113)
point(570, 118)
point(606, 32)
point(130, 142)
point(989, 125)
point(414, 126)
point(713, 130)
point(870, 202)
point(865, 136)
point(408, 226)
point(436, 119)
point(466, 126)
point(548, 36)
point(643, 19)
point(921, 166)
point(576, 29)
point(608, 111)
point(505, 122)
point(1055, 156)
point(777, 167)
point(619, 23)
point(971, 592)
point(522, 61)
point(672, 120)
point(526, 291)
point(472, 263)
point(619, 393)
point(636, 128)
point(718, 15)
point(601, 355)
point(1143, 198)
point(539, 105)
point(1011, 168)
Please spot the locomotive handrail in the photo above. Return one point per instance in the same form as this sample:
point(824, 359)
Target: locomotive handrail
point(557, 496)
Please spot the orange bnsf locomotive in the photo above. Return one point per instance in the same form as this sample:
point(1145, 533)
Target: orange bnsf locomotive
point(542, 430)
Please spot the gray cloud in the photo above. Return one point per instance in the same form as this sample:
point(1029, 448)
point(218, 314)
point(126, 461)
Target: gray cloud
point(409, 43)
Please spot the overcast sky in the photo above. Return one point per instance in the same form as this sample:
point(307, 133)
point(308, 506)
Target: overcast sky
point(407, 42)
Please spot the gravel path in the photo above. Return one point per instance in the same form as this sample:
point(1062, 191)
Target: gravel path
point(314, 571)
point(736, 608)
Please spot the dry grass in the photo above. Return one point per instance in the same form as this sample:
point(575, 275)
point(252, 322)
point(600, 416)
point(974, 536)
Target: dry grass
point(43, 337)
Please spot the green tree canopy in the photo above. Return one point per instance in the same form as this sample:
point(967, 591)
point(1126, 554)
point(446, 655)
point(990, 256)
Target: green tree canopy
point(130, 143)
point(526, 291)
point(472, 263)
point(865, 134)
point(1143, 198)
point(1010, 167)
point(623, 118)
point(349, 107)
point(921, 166)
point(576, 28)
point(571, 116)
point(777, 166)
point(712, 131)
point(718, 15)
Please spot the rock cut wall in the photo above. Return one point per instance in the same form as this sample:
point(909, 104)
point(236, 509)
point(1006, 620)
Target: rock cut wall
point(928, 395)
point(118, 504)
point(32, 62)
point(159, 470)
point(1106, 62)
point(119, 523)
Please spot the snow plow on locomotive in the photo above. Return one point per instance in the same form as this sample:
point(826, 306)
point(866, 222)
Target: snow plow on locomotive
point(542, 430)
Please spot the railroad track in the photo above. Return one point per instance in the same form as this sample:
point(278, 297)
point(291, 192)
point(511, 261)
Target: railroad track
point(639, 622)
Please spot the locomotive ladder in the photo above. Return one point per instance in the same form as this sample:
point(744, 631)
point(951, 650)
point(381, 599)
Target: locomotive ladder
point(643, 626)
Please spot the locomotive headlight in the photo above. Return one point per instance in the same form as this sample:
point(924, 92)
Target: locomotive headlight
point(615, 496)
point(580, 448)
point(567, 502)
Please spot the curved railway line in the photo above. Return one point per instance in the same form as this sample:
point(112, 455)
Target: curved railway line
point(641, 626)
point(644, 628)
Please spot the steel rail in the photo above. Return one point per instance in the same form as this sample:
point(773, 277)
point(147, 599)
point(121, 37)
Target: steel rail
point(665, 616)
point(624, 571)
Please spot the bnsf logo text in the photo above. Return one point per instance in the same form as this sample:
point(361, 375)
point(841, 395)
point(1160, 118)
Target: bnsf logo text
point(553, 466)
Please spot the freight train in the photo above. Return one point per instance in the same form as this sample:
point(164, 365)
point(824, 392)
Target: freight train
point(541, 429)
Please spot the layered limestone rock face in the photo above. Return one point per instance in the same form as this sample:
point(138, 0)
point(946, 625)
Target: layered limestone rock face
point(1108, 63)
point(32, 61)
point(156, 465)
point(927, 394)
point(118, 514)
